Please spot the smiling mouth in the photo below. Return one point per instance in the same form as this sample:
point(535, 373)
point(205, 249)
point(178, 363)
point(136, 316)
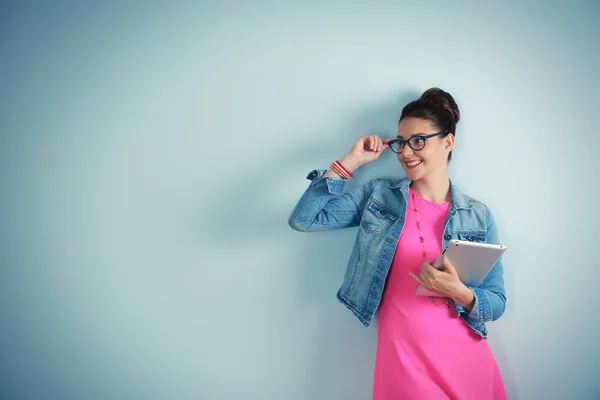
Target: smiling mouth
point(412, 164)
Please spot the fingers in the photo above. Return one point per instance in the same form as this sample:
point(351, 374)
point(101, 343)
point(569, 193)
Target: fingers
point(423, 278)
point(428, 272)
point(428, 277)
point(385, 144)
point(448, 267)
point(370, 147)
point(367, 142)
point(423, 281)
point(419, 280)
point(375, 143)
point(380, 145)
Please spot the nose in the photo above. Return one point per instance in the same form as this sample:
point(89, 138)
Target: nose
point(407, 151)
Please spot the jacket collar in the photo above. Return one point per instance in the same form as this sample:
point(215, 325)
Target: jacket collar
point(459, 200)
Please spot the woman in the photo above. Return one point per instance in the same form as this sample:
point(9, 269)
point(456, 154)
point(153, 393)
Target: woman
point(428, 347)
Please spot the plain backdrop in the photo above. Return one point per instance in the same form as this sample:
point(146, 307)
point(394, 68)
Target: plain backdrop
point(151, 154)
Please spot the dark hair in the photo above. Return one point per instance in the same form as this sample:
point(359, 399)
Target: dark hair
point(436, 106)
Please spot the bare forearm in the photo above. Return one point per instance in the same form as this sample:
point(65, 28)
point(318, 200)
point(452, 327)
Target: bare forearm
point(348, 162)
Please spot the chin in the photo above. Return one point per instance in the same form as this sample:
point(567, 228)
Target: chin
point(413, 175)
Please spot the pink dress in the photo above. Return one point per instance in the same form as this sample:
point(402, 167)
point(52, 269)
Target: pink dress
point(425, 352)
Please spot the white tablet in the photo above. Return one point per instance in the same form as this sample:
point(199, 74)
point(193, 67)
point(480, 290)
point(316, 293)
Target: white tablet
point(472, 260)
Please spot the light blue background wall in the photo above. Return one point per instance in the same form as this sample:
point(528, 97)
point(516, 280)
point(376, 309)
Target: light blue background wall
point(151, 155)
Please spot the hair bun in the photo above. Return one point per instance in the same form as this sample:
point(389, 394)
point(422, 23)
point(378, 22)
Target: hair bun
point(444, 99)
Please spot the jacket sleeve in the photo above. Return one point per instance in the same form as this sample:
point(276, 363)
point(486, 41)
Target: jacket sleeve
point(490, 296)
point(325, 206)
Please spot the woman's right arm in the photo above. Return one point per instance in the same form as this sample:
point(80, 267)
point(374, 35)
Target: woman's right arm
point(324, 205)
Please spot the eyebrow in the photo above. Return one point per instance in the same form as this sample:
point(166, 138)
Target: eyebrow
point(412, 136)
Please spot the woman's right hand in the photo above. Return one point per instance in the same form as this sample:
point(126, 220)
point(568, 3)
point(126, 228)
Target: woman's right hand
point(367, 148)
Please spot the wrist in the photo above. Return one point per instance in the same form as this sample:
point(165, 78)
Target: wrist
point(350, 163)
point(464, 296)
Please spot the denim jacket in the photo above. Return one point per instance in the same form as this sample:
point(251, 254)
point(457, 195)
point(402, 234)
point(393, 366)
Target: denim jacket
point(378, 208)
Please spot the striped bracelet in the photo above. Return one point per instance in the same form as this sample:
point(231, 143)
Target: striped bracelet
point(341, 170)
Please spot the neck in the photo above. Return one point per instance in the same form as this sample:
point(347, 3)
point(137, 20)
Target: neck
point(434, 188)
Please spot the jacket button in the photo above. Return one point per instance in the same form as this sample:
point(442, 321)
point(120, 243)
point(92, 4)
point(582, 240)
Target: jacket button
point(448, 237)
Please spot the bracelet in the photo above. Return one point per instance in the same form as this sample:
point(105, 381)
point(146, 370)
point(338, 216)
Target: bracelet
point(341, 170)
point(344, 169)
point(338, 173)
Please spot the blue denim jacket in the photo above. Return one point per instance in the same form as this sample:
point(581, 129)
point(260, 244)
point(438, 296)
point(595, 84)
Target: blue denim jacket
point(378, 209)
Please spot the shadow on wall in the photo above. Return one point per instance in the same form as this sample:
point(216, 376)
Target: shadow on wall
point(263, 180)
point(343, 350)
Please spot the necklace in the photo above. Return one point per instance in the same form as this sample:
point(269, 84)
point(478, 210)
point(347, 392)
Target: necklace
point(422, 241)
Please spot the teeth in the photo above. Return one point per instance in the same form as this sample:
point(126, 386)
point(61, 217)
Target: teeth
point(413, 163)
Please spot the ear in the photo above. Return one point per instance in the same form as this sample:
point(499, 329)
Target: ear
point(449, 142)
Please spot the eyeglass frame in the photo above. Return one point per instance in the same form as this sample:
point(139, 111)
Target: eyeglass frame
point(424, 138)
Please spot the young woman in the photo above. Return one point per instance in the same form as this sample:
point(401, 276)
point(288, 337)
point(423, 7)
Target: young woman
point(428, 347)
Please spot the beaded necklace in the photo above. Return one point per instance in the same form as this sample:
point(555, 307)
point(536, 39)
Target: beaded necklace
point(422, 240)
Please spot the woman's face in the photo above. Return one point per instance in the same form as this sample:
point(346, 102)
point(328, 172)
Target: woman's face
point(431, 158)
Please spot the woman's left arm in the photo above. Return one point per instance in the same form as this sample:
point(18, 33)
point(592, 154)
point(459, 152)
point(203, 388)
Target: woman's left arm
point(488, 301)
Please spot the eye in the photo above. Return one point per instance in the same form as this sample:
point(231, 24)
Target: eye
point(418, 140)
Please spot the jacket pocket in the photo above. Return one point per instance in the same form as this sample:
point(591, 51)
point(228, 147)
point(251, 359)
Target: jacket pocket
point(377, 218)
point(471, 236)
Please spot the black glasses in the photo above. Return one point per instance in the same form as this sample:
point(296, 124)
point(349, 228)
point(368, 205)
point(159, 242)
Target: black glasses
point(416, 142)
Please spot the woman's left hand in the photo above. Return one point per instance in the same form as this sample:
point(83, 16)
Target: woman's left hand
point(444, 281)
